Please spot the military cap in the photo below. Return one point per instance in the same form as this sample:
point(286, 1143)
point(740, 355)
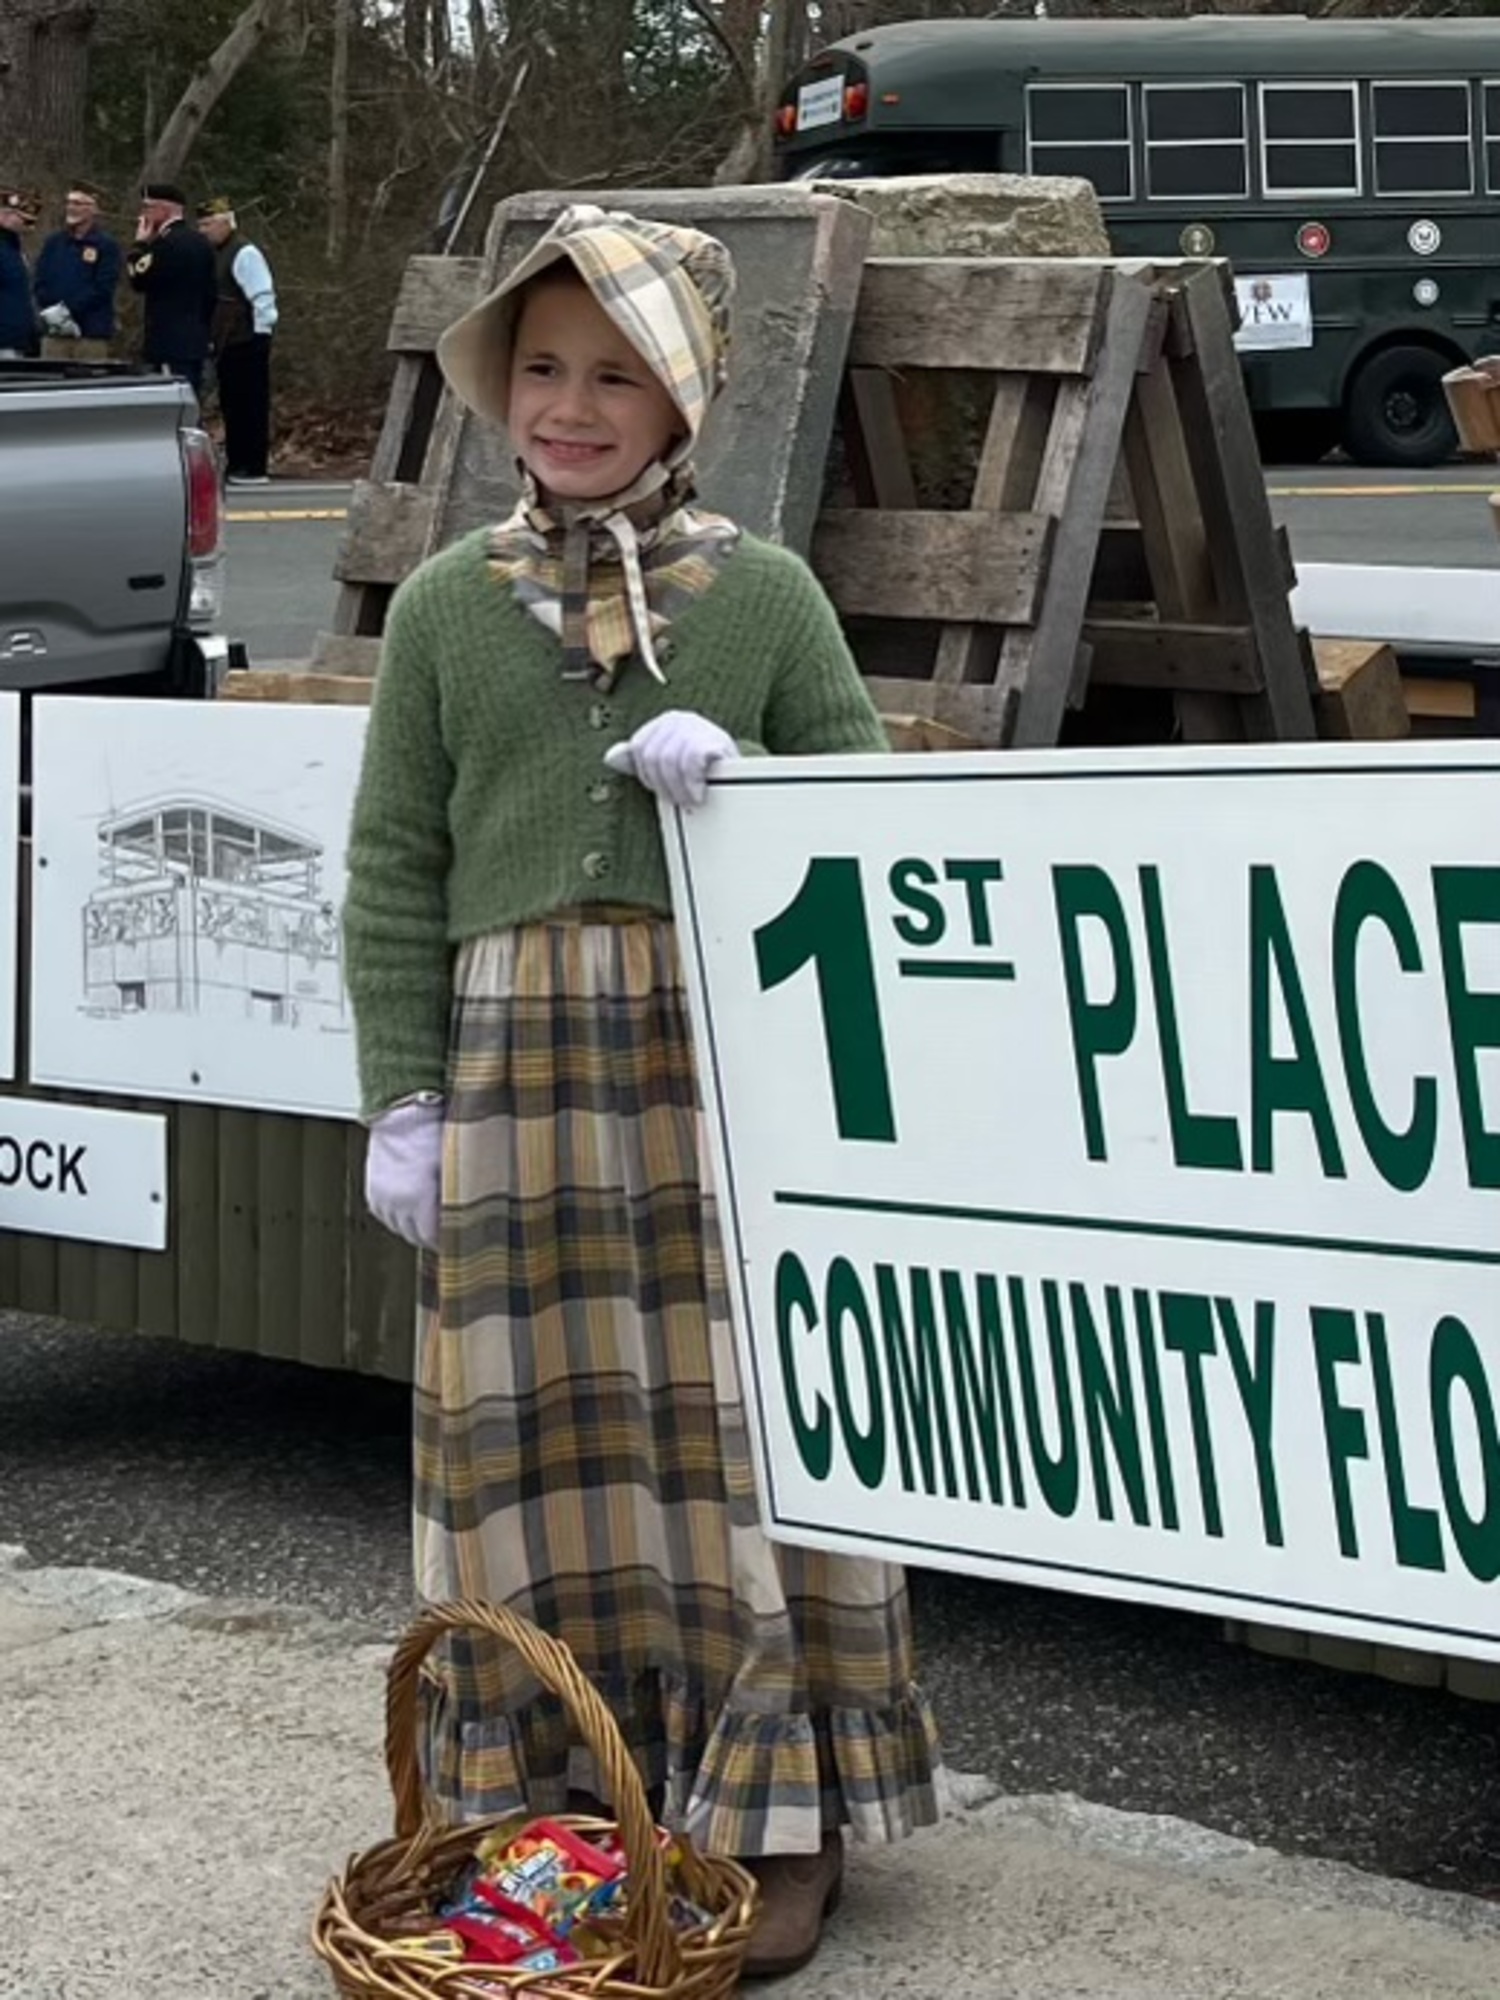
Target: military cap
point(92, 189)
point(164, 191)
point(218, 204)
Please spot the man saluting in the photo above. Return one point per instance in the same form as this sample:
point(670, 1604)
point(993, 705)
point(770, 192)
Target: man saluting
point(173, 268)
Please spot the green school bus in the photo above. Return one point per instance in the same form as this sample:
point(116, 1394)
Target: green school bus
point(1350, 172)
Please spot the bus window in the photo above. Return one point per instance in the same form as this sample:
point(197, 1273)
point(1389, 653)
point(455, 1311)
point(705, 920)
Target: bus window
point(1310, 138)
point(1083, 129)
point(1423, 138)
point(1492, 137)
point(1196, 142)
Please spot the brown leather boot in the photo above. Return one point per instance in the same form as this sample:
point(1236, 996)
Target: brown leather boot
point(797, 1892)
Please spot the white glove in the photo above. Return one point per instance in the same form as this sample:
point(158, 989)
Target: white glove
point(404, 1171)
point(59, 322)
point(672, 755)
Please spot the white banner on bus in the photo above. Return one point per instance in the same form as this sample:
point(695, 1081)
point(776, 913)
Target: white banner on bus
point(1109, 1154)
point(1275, 313)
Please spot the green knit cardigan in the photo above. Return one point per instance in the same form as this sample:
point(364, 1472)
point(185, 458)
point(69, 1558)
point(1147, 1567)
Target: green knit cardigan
point(484, 801)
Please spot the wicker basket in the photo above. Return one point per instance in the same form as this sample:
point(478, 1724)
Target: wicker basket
point(404, 1878)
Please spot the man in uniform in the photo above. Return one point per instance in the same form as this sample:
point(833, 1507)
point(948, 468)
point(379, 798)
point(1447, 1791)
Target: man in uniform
point(173, 268)
point(76, 276)
point(244, 321)
point(17, 315)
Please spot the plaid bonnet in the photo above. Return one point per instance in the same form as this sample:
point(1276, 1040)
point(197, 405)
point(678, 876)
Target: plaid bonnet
point(667, 288)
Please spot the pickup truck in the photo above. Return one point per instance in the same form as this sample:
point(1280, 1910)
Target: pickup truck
point(110, 533)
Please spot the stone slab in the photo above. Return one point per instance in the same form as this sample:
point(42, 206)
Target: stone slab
point(799, 257)
point(978, 215)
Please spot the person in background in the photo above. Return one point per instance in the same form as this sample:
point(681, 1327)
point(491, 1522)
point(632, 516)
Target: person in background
point(172, 267)
point(74, 283)
point(244, 320)
point(18, 337)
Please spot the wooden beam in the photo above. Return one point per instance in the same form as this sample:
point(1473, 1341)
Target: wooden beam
point(1076, 479)
point(1439, 700)
point(920, 732)
point(1037, 317)
point(1231, 489)
point(325, 690)
point(983, 715)
point(1359, 691)
point(966, 568)
point(1146, 653)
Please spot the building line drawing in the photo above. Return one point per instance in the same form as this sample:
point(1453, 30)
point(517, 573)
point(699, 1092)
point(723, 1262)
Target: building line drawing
point(204, 908)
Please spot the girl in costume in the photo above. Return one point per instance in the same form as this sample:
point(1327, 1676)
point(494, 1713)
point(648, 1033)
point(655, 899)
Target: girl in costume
point(580, 1442)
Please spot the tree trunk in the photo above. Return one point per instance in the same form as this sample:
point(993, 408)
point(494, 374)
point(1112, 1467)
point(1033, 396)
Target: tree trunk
point(44, 75)
point(338, 133)
point(195, 107)
point(414, 32)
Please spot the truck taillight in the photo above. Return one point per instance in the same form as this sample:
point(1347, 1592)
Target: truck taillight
point(856, 101)
point(204, 518)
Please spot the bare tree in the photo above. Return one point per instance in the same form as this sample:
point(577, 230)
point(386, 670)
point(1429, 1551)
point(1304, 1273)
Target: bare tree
point(338, 131)
point(192, 111)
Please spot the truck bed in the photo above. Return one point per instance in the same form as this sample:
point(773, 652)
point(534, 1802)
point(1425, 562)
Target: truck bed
point(95, 576)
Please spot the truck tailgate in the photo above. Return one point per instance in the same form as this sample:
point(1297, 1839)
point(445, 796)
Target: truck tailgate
point(93, 527)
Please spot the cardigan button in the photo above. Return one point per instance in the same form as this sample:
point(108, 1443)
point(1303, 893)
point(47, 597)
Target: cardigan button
point(600, 715)
point(601, 793)
point(596, 866)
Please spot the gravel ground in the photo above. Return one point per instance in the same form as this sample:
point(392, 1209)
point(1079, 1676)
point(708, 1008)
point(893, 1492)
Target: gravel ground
point(239, 1477)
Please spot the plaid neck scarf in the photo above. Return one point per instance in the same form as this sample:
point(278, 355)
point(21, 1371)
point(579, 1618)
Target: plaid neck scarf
point(609, 577)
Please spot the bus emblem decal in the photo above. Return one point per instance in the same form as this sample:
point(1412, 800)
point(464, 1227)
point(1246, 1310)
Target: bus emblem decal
point(1425, 238)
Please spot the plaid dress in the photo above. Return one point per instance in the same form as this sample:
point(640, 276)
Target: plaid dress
point(581, 1448)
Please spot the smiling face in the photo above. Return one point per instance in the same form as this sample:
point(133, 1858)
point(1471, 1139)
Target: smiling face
point(586, 414)
point(80, 211)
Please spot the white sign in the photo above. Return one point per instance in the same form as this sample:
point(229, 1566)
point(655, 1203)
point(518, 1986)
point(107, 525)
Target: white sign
point(820, 103)
point(187, 880)
point(10, 864)
point(92, 1176)
point(1109, 1157)
point(1275, 313)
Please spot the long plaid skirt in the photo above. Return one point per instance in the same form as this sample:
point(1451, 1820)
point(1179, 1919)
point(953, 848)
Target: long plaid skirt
point(581, 1448)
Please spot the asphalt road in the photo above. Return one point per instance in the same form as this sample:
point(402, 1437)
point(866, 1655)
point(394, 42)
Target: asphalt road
point(283, 539)
point(247, 1478)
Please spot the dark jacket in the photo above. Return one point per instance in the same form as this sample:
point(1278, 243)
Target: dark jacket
point(17, 317)
point(176, 275)
point(81, 273)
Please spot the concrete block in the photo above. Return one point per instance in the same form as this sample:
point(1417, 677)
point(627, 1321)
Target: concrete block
point(1347, 1656)
point(799, 257)
point(1278, 1642)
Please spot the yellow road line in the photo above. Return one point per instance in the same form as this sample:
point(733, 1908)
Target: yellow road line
point(261, 515)
point(1373, 492)
point(288, 514)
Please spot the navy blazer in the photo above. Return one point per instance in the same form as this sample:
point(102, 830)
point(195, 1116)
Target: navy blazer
point(17, 315)
point(81, 273)
point(177, 276)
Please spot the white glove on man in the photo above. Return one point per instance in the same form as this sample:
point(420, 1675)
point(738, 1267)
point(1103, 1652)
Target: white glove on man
point(59, 322)
point(404, 1171)
point(672, 755)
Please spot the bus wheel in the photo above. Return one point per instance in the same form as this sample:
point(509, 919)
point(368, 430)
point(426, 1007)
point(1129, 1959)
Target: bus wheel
point(1397, 413)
